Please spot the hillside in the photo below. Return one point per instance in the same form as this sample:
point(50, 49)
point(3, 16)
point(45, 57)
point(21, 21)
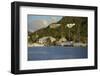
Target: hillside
point(77, 32)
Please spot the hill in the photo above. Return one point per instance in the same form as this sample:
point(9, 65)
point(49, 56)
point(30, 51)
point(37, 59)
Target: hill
point(77, 33)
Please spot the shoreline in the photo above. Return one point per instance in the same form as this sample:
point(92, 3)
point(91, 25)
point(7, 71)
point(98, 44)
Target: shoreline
point(72, 45)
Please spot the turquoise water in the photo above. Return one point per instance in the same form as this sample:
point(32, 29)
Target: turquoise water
point(54, 53)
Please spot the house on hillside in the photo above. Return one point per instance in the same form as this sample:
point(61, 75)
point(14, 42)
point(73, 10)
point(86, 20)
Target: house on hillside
point(46, 39)
point(62, 39)
point(54, 25)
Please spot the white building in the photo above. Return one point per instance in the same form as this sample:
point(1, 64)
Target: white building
point(62, 39)
point(44, 39)
point(54, 25)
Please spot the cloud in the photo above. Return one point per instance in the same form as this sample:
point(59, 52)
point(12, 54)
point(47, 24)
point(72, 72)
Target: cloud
point(41, 22)
point(37, 24)
point(53, 19)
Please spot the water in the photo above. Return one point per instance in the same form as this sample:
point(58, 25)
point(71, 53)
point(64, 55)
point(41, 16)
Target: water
point(54, 53)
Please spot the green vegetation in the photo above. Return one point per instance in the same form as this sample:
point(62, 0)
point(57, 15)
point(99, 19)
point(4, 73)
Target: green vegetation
point(78, 33)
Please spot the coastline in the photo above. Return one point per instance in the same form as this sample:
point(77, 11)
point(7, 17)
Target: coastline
point(63, 45)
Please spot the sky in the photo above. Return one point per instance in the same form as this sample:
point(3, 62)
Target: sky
point(36, 22)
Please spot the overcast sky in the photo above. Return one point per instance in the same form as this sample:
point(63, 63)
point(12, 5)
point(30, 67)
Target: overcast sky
point(36, 22)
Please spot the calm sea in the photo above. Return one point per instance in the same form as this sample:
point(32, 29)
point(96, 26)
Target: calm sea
point(53, 53)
